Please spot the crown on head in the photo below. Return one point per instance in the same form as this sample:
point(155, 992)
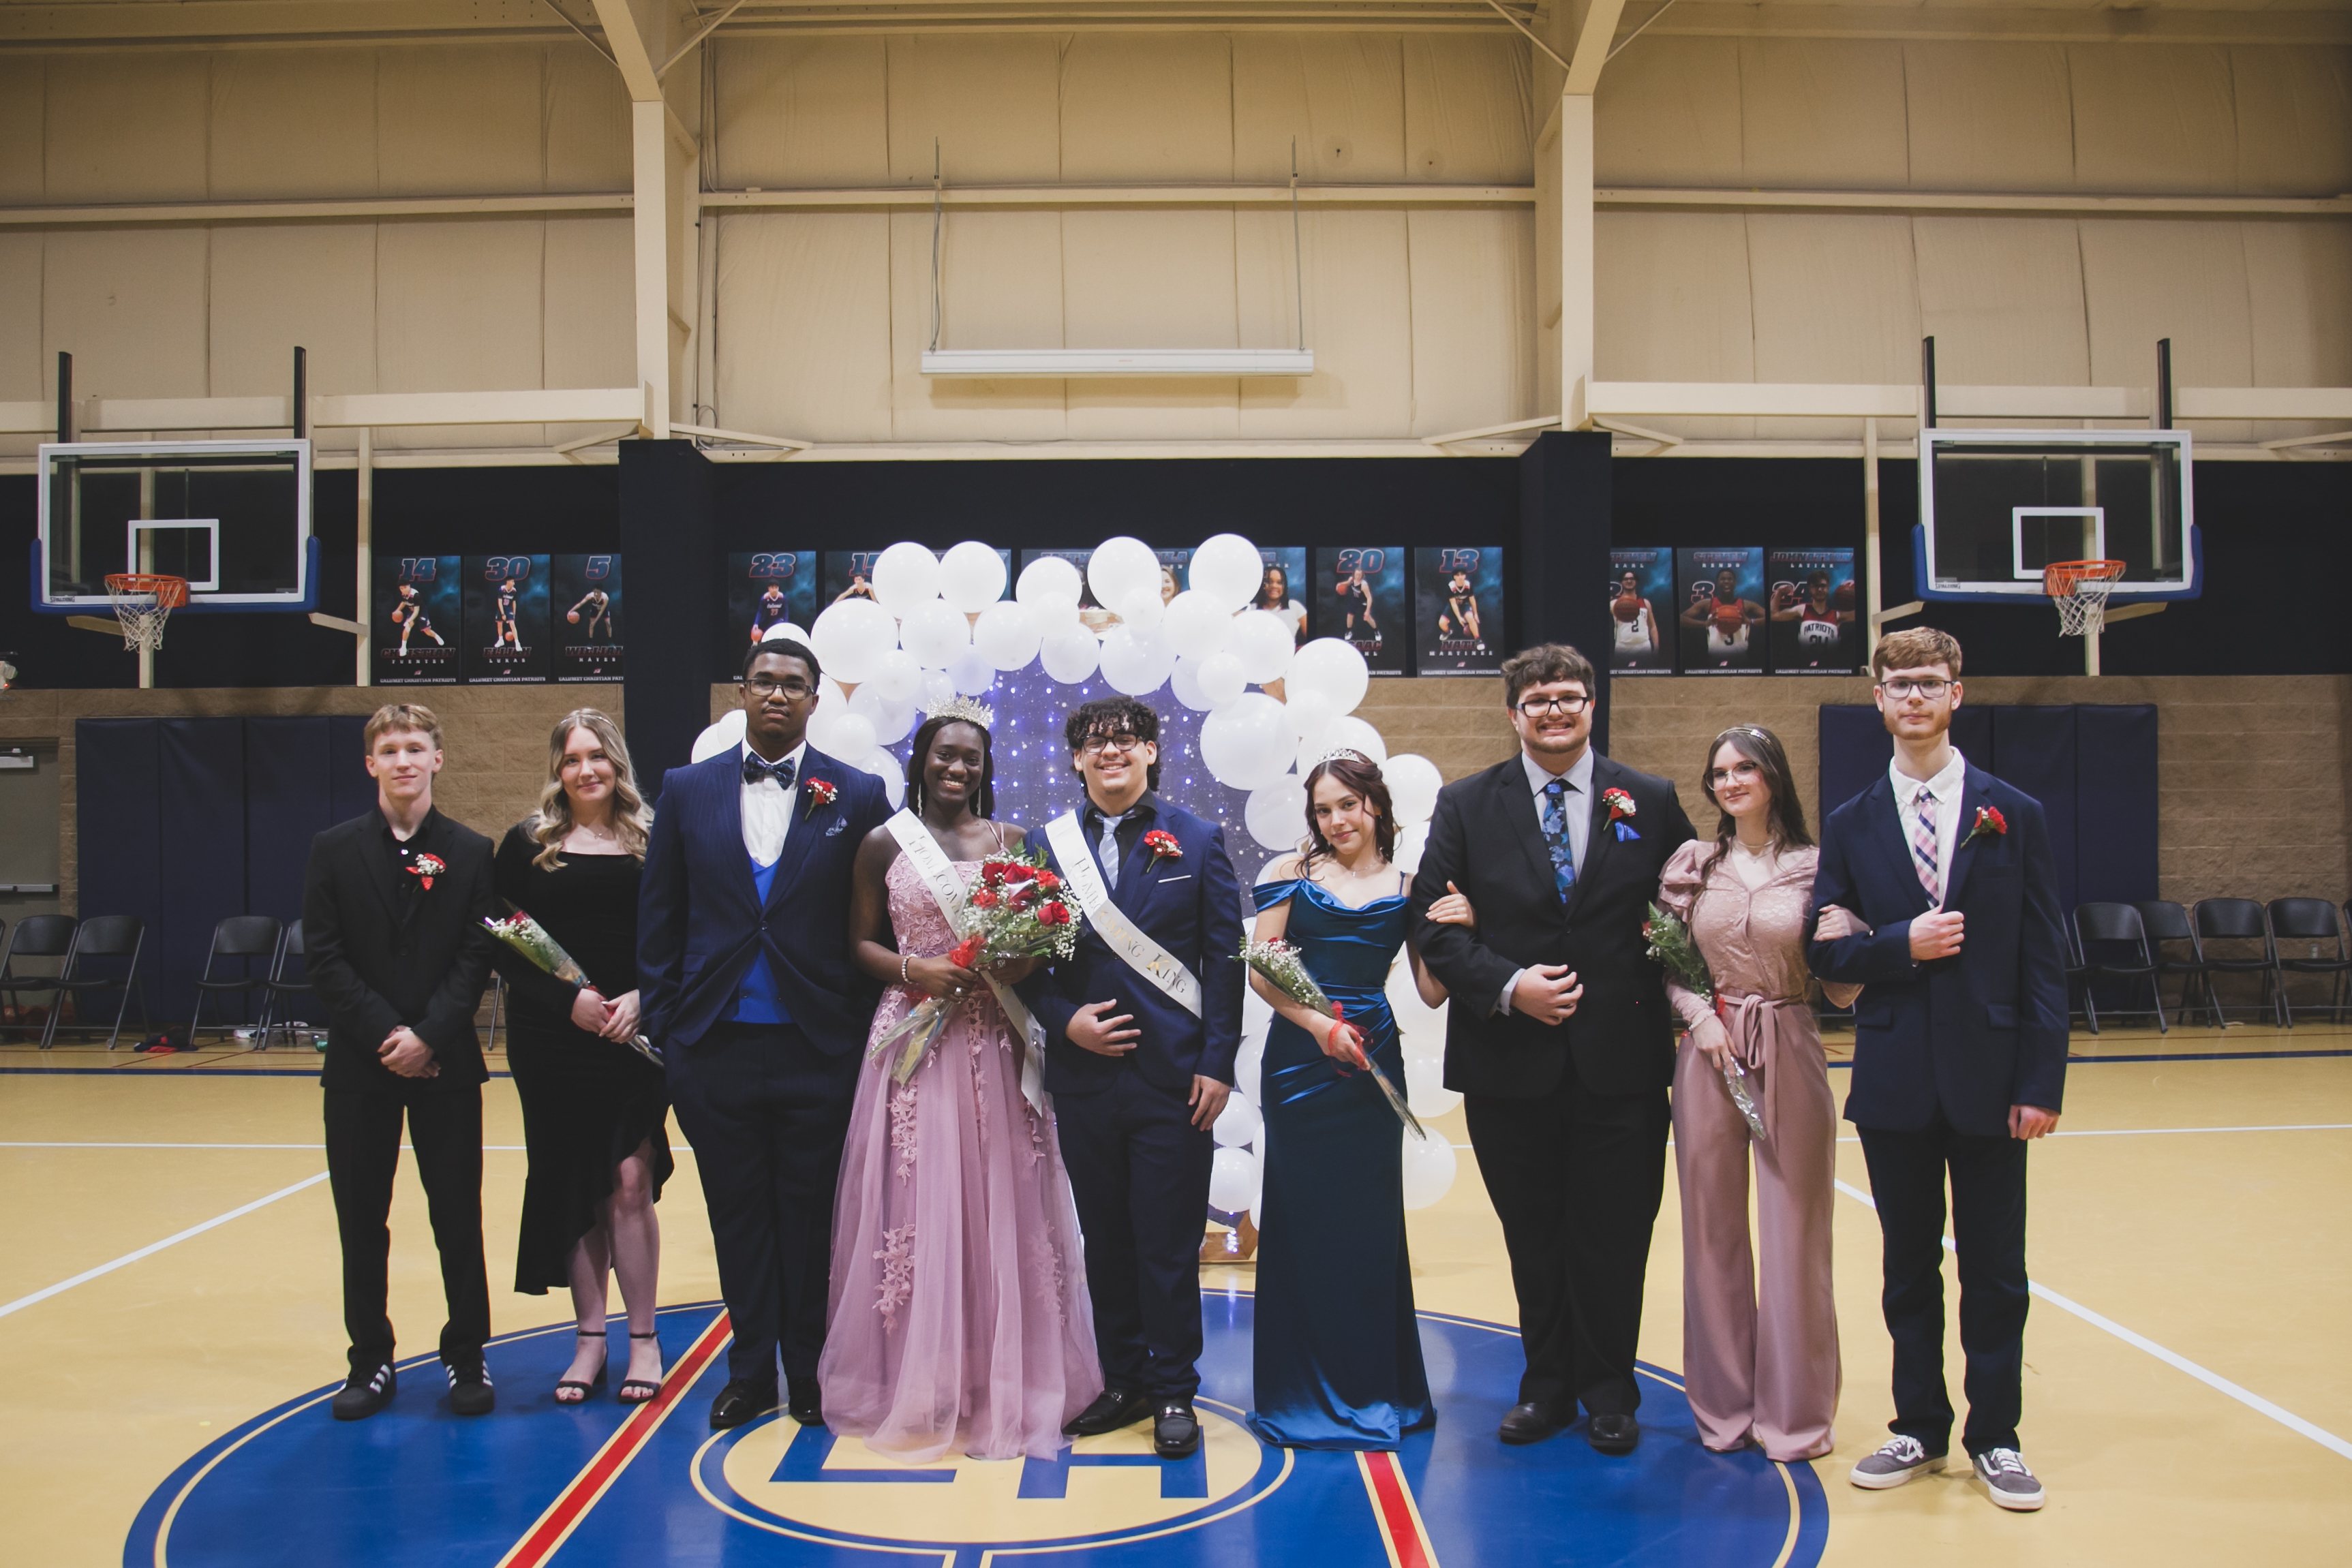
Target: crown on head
point(1338, 751)
point(963, 710)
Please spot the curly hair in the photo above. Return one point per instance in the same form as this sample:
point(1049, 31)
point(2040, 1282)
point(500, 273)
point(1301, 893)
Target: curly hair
point(1109, 716)
point(552, 823)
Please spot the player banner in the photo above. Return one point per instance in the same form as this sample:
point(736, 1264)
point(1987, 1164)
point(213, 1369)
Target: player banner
point(1282, 588)
point(764, 588)
point(1641, 598)
point(1360, 599)
point(1814, 620)
point(415, 626)
point(508, 638)
point(1458, 609)
point(1723, 612)
point(587, 633)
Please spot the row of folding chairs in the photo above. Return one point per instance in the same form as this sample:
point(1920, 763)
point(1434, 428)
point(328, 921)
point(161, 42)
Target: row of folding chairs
point(74, 944)
point(2155, 941)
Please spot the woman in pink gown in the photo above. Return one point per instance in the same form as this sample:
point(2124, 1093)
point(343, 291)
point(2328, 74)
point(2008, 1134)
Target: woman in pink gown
point(959, 1318)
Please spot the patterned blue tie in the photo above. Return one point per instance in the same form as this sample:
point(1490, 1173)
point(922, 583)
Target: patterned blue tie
point(756, 767)
point(1555, 826)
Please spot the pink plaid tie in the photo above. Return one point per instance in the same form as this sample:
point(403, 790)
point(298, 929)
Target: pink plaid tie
point(1923, 844)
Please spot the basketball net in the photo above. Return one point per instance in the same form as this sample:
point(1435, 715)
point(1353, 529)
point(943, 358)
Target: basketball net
point(143, 603)
point(2080, 588)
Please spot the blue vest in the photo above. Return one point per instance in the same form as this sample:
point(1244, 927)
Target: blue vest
point(757, 1001)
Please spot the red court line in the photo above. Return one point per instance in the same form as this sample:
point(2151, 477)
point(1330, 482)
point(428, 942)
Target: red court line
point(1392, 1507)
point(572, 1505)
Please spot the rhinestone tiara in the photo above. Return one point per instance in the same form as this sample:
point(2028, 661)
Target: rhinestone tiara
point(1338, 751)
point(964, 710)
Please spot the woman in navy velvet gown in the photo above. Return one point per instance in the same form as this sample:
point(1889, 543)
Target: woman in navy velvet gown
point(1338, 1353)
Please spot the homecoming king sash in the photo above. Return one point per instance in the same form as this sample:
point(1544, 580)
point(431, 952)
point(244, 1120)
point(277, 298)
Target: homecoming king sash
point(931, 863)
point(1120, 934)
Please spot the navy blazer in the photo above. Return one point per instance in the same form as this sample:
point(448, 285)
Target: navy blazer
point(1973, 1034)
point(1192, 906)
point(701, 923)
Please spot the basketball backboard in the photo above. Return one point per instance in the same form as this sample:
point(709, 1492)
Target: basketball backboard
point(1997, 507)
point(231, 516)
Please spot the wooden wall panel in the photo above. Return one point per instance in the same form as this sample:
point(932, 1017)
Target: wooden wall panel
point(993, 104)
point(1819, 112)
point(1003, 290)
point(461, 119)
point(804, 345)
point(2003, 300)
point(803, 112)
point(1668, 114)
point(1671, 304)
point(1474, 306)
point(1359, 291)
point(459, 309)
point(293, 123)
point(1989, 116)
point(1468, 110)
point(1340, 94)
point(2294, 119)
point(1147, 107)
point(125, 126)
point(2154, 117)
point(129, 305)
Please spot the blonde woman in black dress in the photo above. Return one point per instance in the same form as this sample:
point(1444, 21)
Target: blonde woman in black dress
point(593, 1111)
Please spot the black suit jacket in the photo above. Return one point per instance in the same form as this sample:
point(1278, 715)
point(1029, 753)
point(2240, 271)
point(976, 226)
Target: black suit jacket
point(1486, 839)
point(381, 955)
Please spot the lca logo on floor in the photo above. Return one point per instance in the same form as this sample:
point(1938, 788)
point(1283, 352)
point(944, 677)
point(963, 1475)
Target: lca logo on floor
point(806, 1480)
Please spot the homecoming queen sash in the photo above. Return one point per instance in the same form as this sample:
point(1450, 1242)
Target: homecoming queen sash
point(1120, 934)
point(931, 863)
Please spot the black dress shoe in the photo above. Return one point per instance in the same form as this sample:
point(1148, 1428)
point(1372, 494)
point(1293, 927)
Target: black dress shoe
point(365, 1392)
point(1526, 1423)
point(469, 1388)
point(804, 1401)
point(743, 1399)
point(1112, 1410)
point(1613, 1433)
point(1176, 1431)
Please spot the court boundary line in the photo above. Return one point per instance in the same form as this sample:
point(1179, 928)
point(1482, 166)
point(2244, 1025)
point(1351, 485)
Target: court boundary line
point(153, 1247)
point(2172, 1358)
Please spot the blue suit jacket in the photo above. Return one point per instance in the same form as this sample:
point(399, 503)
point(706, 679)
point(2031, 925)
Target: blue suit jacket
point(1192, 906)
point(1976, 1033)
point(701, 923)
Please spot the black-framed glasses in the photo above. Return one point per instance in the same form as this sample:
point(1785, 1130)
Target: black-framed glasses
point(1933, 690)
point(1538, 707)
point(792, 686)
point(1125, 740)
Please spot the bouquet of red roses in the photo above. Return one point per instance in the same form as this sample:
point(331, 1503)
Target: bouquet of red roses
point(1014, 908)
point(1286, 971)
point(527, 937)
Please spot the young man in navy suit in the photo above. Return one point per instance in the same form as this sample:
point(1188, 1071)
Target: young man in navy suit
point(743, 954)
point(1960, 1054)
point(1140, 1067)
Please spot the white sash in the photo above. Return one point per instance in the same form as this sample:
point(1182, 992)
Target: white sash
point(1120, 933)
point(938, 875)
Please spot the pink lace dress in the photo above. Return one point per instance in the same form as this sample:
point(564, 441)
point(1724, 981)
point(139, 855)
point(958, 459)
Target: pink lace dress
point(958, 1316)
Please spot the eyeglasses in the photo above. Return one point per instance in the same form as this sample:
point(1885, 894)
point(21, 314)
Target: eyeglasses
point(768, 685)
point(1900, 691)
point(1540, 707)
point(1125, 740)
point(1722, 776)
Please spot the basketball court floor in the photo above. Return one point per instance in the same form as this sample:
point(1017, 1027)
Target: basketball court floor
point(170, 1326)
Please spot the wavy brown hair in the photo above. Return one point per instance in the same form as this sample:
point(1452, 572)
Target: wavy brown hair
point(632, 819)
point(1360, 776)
point(1786, 813)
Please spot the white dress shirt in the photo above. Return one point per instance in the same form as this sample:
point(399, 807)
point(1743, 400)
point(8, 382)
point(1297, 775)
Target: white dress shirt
point(1946, 787)
point(1576, 805)
point(768, 809)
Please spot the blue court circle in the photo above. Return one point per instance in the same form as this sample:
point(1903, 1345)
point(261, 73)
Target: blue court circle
point(417, 1485)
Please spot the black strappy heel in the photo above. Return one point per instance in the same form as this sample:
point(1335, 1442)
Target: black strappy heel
point(652, 1390)
point(585, 1389)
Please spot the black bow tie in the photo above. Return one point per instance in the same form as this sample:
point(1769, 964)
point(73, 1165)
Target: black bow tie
point(755, 769)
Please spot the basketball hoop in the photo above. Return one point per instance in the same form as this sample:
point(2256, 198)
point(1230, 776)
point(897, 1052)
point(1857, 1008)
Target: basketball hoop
point(142, 602)
point(2080, 589)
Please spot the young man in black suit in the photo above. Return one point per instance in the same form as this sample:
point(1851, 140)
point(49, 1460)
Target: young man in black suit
point(392, 918)
point(1558, 1036)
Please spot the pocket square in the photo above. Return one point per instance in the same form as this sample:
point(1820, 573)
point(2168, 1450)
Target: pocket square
point(837, 825)
point(1165, 880)
point(1625, 835)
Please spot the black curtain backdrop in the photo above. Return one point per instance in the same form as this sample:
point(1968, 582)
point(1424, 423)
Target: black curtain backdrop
point(672, 568)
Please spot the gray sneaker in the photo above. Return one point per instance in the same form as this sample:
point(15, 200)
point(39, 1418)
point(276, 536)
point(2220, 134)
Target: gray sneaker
point(1896, 1461)
point(2012, 1486)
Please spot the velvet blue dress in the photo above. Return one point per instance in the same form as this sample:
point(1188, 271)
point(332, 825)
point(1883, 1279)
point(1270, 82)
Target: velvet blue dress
point(1336, 1353)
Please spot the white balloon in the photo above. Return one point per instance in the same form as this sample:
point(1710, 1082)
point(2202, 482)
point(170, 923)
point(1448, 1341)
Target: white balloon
point(1261, 640)
point(1429, 1168)
point(898, 677)
point(1414, 782)
point(891, 721)
point(1228, 570)
point(851, 734)
point(851, 637)
point(1246, 743)
point(1276, 813)
point(822, 722)
point(1070, 654)
point(1221, 680)
point(1331, 667)
point(1052, 615)
point(936, 632)
point(1134, 664)
point(829, 690)
point(972, 577)
point(1120, 567)
point(1425, 1089)
point(972, 673)
point(1349, 734)
point(1421, 1029)
point(1237, 1125)
point(892, 771)
point(723, 736)
point(785, 632)
point(1184, 685)
point(1050, 579)
point(939, 688)
point(1249, 1064)
point(906, 575)
point(1307, 709)
point(1232, 1180)
point(1196, 625)
point(1006, 634)
point(1141, 612)
point(1410, 842)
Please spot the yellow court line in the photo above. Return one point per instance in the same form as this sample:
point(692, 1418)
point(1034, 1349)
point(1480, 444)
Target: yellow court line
point(154, 1247)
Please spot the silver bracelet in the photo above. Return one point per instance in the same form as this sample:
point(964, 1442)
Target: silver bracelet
point(904, 960)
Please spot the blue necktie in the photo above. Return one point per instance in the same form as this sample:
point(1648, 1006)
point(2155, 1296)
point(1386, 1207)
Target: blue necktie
point(755, 769)
point(1555, 826)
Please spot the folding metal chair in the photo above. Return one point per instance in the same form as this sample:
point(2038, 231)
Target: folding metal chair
point(35, 936)
point(2165, 921)
point(102, 936)
point(240, 937)
point(2312, 920)
point(2116, 925)
point(289, 946)
point(2237, 920)
point(2076, 992)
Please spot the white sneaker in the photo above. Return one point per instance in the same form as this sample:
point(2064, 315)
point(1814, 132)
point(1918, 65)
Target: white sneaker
point(1896, 1461)
point(2012, 1486)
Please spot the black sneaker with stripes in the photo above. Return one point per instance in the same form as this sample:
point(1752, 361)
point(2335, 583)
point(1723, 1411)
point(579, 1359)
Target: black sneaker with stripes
point(365, 1392)
point(469, 1388)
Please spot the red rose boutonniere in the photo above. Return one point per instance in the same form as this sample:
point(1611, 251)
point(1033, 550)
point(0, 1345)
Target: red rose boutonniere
point(1620, 811)
point(820, 793)
point(425, 868)
point(1989, 824)
point(1163, 845)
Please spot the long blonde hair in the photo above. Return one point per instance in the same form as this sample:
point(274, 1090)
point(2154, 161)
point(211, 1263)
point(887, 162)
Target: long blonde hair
point(631, 818)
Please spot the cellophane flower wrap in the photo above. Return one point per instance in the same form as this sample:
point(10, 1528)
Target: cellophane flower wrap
point(527, 937)
point(1673, 948)
point(1014, 908)
point(1286, 971)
